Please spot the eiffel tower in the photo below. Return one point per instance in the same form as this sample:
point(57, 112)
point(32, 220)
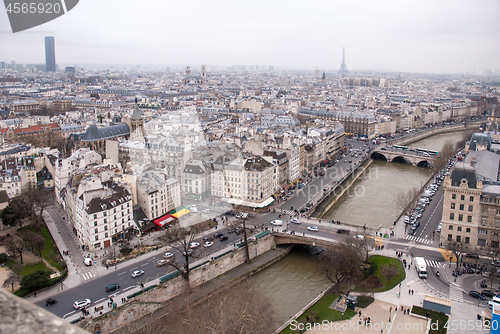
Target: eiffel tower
point(343, 69)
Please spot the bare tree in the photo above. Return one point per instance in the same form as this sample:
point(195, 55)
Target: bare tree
point(343, 263)
point(446, 153)
point(457, 248)
point(11, 280)
point(239, 308)
point(185, 238)
point(244, 227)
point(466, 136)
point(16, 246)
point(32, 240)
point(406, 199)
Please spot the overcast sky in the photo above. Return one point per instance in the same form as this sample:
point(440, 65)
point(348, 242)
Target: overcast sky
point(433, 36)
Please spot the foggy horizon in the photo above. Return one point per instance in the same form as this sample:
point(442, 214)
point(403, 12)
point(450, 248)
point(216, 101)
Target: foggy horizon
point(446, 37)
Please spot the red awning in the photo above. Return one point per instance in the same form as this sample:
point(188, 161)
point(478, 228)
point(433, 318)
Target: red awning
point(160, 222)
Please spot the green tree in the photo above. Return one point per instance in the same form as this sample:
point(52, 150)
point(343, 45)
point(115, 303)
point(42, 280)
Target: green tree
point(37, 280)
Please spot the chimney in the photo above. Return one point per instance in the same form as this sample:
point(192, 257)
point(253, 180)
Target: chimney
point(473, 162)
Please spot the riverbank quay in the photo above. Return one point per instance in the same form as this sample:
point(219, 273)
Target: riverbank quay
point(434, 131)
point(140, 310)
point(390, 311)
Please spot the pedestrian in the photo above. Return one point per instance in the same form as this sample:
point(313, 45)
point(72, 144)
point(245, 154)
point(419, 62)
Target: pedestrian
point(360, 314)
point(408, 311)
point(404, 311)
point(35, 294)
point(401, 307)
point(390, 309)
point(412, 292)
point(409, 291)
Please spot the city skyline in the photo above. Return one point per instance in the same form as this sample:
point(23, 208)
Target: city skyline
point(412, 36)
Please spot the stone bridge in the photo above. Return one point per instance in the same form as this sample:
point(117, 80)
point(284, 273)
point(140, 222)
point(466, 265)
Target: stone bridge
point(299, 238)
point(405, 156)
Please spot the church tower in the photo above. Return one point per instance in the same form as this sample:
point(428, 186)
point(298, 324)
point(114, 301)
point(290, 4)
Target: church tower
point(136, 123)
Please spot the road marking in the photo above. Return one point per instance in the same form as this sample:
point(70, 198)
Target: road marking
point(100, 300)
point(121, 278)
point(130, 287)
point(122, 273)
point(64, 316)
point(145, 264)
point(134, 268)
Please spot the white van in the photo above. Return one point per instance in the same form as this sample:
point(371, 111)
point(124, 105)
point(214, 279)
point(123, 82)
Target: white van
point(495, 300)
point(87, 261)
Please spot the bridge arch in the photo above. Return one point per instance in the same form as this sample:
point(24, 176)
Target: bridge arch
point(402, 159)
point(424, 163)
point(378, 156)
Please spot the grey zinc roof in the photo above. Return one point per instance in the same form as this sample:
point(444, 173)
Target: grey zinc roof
point(486, 164)
point(480, 139)
point(94, 133)
point(457, 175)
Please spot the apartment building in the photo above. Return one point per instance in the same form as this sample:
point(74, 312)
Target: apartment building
point(157, 194)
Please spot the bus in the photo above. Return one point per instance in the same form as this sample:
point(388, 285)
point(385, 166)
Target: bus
point(423, 150)
point(400, 147)
point(421, 267)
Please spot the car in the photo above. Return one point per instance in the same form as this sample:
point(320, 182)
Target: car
point(229, 213)
point(137, 273)
point(218, 234)
point(161, 263)
point(50, 301)
point(208, 244)
point(277, 222)
point(313, 228)
point(189, 252)
point(81, 303)
point(231, 230)
point(112, 287)
point(488, 294)
point(194, 210)
point(194, 244)
point(295, 221)
point(477, 295)
point(208, 239)
point(343, 231)
point(168, 255)
point(223, 237)
point(439, 228)
point(205, 210)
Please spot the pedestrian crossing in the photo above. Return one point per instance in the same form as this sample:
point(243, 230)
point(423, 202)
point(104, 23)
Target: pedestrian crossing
point(288, 212)
point(417, 239)
point(87, 276)
point(456, 293)
point(432, 263)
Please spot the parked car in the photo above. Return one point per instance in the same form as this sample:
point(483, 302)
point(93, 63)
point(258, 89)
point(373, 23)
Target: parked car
point(218, 235)
point(81, 303)
point(112, 287)
point(488, 294)
point(161, 263)
point(50, 301)
point(476, 294)
point(313, 228)
point(194, 244)
point(137, 273)
point(277, 222)
point(208, 244)
point(205, 211)
point(343, 231)
point(208, 239)
point(223, 237)
point(168, 255)
point(229, 213)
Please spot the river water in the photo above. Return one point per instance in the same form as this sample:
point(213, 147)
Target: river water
point(291, 283)
point(371, 200)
